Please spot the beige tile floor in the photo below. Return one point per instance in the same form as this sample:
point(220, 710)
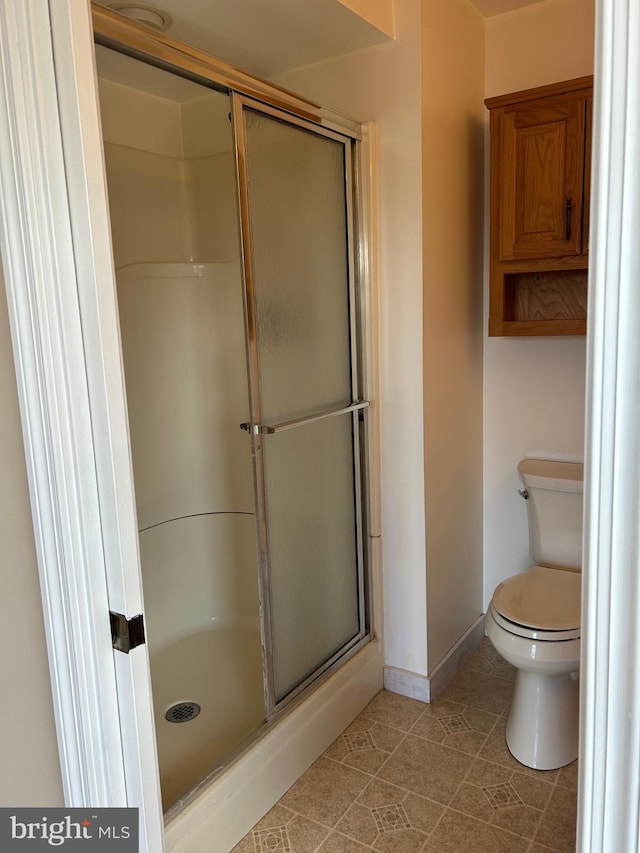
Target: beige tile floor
point(407, 777)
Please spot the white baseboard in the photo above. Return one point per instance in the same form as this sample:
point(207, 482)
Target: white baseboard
point(427, 687)
point(407, 683)
point(235, 802)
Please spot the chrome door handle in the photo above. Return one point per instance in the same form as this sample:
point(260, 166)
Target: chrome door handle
point(270, 429)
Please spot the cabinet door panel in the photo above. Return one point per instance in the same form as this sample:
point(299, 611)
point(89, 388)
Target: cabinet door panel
point(542, 147)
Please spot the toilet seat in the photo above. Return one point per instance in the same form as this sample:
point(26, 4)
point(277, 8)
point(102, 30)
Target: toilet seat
point(540, 604)
point(532, 633)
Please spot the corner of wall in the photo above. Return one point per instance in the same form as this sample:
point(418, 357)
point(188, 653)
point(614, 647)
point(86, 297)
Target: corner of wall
point(379, 13)
point(452, 198)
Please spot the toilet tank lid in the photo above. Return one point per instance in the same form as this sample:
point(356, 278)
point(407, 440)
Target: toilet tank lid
point(551, 474)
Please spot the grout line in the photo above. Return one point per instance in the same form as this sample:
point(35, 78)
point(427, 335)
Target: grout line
point(363, 715)
point(296, 813)
point(313, 821)
point(447, 806)
point(349, 838)
point(315, 850)
point(387, 760)
point(405, 792)
point(492, 825)
point(336, 761)
point(456, 748)
point(435, 826)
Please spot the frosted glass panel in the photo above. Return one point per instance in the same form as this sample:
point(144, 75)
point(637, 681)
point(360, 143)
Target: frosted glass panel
point(312, 546)
point(299, 247)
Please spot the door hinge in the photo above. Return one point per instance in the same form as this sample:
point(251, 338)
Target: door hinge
point(126, 634)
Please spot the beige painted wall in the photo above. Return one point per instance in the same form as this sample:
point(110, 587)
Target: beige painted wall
point(533, 387)
point(539, 44)
point(452, 205)
point(30, 769)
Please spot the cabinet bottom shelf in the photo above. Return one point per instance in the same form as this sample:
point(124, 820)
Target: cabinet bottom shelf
point(539, 328)
point(543, 302)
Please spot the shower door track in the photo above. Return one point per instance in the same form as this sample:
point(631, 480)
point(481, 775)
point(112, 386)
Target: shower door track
point(156, 48)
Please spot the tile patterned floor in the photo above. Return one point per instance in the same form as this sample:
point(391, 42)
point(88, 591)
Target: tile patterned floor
point(406, 777)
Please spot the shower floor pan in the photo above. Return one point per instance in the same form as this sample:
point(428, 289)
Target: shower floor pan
point(221, 671)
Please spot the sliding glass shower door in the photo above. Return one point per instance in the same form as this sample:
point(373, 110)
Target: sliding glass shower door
point(234, 632)
point(295, 189)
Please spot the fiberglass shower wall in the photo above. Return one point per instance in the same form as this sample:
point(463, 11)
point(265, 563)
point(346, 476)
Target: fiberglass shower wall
point(171, 181)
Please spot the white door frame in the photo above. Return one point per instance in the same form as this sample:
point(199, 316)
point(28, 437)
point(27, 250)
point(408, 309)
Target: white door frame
point(59, 279)
point(60, 288)
point(609, 789)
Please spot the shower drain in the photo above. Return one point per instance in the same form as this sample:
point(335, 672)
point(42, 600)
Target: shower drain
point(182, 712)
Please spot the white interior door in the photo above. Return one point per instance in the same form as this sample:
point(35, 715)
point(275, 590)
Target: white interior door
point(60, 290)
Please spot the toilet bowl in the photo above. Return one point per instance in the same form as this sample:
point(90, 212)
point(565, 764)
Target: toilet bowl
point(544, 646)
point(533, 620)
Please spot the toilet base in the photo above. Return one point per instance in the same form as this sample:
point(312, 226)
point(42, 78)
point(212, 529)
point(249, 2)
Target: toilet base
point(542, 727)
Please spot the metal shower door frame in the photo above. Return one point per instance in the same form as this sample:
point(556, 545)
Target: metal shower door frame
point(259, 430)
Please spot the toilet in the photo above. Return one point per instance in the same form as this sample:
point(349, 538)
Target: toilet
point(533, 620)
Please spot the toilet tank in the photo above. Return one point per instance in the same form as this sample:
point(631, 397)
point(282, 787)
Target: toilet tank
point(554, 508)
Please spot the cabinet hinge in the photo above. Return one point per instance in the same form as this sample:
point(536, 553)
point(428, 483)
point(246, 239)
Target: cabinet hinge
point(126, 634)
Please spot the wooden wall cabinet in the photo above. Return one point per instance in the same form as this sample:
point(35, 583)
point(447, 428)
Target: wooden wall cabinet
point(540, 167)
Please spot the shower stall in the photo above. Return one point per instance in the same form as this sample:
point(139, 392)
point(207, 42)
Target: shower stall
point(235, 244)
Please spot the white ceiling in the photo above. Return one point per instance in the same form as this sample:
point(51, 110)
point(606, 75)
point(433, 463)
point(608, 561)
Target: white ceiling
point(267, 37)
point(262, 37)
